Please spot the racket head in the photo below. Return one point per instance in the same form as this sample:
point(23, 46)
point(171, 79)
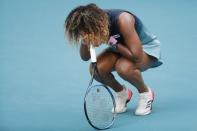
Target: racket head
point(98, 104)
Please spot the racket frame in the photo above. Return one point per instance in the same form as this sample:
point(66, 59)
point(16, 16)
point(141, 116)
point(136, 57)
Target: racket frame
point(95, 70)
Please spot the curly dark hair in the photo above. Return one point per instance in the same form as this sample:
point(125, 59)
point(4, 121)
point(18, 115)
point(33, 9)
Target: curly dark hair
point(87, 22)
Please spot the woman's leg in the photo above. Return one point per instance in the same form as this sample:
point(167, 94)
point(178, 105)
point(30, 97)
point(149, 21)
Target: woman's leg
point(105, 63)
point(131, 72)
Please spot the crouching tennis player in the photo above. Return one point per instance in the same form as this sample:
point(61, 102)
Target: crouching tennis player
point(132, 50)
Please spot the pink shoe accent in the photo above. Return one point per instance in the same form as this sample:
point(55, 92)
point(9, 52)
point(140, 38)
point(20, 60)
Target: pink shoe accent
point(130, 94)
point(153, 95)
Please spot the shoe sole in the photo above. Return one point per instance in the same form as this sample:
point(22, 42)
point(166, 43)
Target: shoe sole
point(146, 113)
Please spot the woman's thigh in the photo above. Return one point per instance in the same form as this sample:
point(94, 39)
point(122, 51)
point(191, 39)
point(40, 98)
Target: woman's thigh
point(125, 63)
point(106, 61)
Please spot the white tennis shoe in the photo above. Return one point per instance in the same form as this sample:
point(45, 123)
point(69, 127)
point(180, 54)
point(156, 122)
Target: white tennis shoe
point(122, 98)
point(145, 101)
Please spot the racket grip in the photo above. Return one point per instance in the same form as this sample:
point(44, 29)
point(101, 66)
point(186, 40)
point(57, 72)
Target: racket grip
point(92, 54)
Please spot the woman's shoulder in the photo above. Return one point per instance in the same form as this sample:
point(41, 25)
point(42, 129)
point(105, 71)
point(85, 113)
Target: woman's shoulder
point(126, 17)
point(117, 15)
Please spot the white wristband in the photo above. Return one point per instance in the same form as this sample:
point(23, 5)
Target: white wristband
point(92, 54)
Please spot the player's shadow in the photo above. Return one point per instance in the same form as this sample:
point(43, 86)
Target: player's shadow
point(128, 118)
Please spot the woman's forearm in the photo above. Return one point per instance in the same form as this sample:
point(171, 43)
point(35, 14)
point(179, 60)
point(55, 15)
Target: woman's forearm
point(124, 51)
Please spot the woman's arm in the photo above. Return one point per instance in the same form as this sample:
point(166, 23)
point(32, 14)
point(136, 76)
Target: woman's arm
point(84, 52)
point(124, 51)
point(131, 48)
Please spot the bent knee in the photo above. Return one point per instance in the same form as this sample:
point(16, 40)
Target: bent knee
point(124, 66)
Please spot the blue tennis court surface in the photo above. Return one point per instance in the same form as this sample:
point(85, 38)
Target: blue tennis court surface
point(43, 79)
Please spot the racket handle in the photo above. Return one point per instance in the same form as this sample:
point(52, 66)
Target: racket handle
point(92, 54)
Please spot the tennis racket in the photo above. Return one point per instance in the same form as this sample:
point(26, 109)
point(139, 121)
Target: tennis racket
point(98, 101)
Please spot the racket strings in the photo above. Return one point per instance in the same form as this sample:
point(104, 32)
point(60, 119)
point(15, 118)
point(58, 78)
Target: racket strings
point(99, 106)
